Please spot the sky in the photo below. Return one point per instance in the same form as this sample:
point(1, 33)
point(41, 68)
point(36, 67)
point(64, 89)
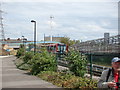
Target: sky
point(77, 19)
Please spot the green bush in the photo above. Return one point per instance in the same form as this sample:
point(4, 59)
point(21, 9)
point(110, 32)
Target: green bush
point(67, 80)
point(21, 64)
point(43, 62)
point(56, 78)
point(28, 56)
point(78, 82)
point(77, 62)
point(20, 52)
point(24, 58)
point(18, 62)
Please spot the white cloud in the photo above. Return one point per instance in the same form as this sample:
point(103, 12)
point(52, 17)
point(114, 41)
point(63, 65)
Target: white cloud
point(105, 23)
point(77, 20)
point(59, 1)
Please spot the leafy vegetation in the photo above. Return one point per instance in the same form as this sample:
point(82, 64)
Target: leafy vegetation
point(20, 64)
point(27, 57)
point(77, 62)
point(30, 46)
point(39, 62)
point(20, 52)
point(44, 66)
point(67, 41)
point(67, 80)
point(43, 62)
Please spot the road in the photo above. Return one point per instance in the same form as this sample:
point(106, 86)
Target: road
point(15, 78)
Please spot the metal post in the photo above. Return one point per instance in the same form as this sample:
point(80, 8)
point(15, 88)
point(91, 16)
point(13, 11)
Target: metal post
point(90, 66)
point(34, 36)
point(44, 39)
point(57, 60)
point(119, 27)
point(23, 40)
point(51, 37)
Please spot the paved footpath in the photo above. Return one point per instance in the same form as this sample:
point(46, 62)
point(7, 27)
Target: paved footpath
point(0, 73)
point(15, 78)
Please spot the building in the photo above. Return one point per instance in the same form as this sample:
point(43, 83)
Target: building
point(106, 38)
point(6, 50)
point(54, 38)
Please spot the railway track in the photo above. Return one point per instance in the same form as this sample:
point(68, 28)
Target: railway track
point(96, 69)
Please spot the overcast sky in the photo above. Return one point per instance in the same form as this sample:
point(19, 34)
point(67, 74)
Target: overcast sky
point(79, 20)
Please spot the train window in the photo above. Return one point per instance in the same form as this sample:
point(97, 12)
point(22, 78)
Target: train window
point(54, 48)
point(59, 48)
point(50, 48)
point(64, 48)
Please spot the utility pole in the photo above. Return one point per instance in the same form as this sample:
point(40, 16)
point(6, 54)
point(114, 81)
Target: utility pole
point(119, 27)
point(51, 25)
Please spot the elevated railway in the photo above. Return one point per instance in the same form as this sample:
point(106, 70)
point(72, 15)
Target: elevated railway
point(102, 50)
point(102, 45)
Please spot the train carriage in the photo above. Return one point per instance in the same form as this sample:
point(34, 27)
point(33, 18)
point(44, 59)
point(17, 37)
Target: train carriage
point(57, 48)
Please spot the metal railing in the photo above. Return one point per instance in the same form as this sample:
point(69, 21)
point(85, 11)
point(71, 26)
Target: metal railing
point(96, 69)
point(110, 45)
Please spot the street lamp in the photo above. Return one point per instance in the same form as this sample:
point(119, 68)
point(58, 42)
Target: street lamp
point(34, 35)
point(23, 40)
point(51, 24)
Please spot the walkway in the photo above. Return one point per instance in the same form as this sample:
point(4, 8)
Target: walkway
point(15, 78)
point(0, 73)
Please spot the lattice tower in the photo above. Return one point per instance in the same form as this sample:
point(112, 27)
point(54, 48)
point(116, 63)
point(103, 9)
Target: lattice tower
point(1, 25)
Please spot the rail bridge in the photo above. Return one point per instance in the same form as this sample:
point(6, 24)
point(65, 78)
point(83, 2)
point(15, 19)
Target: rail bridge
point(100, 51)
point(101, 45)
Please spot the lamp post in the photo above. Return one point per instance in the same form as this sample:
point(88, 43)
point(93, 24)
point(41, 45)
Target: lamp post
point(23, 40)
point(51, 24)
point(34, 35)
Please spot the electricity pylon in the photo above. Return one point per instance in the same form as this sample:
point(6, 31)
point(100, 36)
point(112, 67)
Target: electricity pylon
point(1, 25)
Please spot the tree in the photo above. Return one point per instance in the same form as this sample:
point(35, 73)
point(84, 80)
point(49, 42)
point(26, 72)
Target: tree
point(67, 41)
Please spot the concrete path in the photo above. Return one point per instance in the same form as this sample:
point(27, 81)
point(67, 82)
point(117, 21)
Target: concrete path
point(0, 73)
point(15, 78)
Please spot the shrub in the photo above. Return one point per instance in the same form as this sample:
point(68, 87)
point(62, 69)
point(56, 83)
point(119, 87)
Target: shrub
point(43, 62)
point(77, 62)
point(21, 64)
point(67, 80)
point(28, 56)
point(78, 82)
point(20, 52)
point(56, 78)
point(18, 62)
point(24, 58)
